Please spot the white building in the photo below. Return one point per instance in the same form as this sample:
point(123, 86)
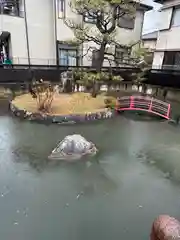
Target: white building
point(149, 41)
point(167, 53)
point(34, 32)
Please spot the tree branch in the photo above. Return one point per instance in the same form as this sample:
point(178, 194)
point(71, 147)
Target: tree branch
point(81, 33)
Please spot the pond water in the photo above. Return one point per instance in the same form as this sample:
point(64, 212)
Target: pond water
point(115, 195)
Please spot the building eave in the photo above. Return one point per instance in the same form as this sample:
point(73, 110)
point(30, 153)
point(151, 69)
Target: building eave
point(150, 36)
point(160, 1)
point(142, 6)
point(145, 6)
point(149, 39)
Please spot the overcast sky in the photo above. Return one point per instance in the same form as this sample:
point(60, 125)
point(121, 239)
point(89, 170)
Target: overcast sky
point(151, 18)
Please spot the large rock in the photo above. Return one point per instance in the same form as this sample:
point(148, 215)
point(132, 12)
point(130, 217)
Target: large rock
point(73, 147)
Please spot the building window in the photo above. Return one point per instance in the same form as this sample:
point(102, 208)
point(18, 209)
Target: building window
point(126, 20)
point(171, 60)
point(89, 18)
point(12, 7)
point(68, 55)
point(122, 54)
point(175, 17)
point(61, 8)
point(5, 39)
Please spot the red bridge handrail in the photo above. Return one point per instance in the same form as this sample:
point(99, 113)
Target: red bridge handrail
point(144, 103)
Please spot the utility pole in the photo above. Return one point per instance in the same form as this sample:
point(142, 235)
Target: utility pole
point(55, 29)
point(27, 35)
point(1, 11)
point(1, 45)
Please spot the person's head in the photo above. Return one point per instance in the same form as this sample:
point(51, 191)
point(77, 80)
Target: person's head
point(165, 228)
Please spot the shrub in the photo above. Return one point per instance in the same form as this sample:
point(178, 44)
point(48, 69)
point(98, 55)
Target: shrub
point(110, 102)
point(43, 92)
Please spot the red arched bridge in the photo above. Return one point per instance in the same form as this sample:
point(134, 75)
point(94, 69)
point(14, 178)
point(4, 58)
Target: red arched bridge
point(144, 103)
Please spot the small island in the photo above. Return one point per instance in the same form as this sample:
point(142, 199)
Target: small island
point(43, 103)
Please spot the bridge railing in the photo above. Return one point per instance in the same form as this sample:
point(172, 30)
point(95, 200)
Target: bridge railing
point(144, 103)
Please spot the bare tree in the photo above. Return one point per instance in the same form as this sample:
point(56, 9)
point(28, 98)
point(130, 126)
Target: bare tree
point(105, 15)
point(144, 57)
point(43, 92)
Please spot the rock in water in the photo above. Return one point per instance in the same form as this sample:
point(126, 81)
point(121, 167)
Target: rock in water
point(73, 147)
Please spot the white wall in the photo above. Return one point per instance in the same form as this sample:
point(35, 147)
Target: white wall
point(168, 36)
point(124, 36)
point(41, 31)
point(149, 44)
point(165, 19)
point(18, 48)
point(158, 60)
point(169, 39)
point(64, 33)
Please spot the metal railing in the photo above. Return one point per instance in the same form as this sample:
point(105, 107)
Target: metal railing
point(166, 67)
point(18, 62)
point(141, 103)
point(34, 61)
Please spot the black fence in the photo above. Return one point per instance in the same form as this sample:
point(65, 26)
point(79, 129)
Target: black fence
point(164, 77)
point(24, 73)
point(10, 75)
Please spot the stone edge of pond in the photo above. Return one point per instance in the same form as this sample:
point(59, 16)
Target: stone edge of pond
point(61, 119)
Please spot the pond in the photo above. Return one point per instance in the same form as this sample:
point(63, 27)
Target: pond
point(115, 195)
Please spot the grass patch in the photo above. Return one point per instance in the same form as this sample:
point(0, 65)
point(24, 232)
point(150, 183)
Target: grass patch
point(75, 103)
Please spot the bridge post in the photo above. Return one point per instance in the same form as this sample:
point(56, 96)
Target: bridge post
point(150, 106)
point(168, 111)
point(131, 102)
point(117, 105)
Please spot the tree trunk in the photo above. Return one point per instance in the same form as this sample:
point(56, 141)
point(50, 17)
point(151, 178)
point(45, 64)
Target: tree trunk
point(165, 93)
point(68, 86)
point(99, 64)
point(156, 92)
point(95, 89)
point(144, 88)
point(100, 59)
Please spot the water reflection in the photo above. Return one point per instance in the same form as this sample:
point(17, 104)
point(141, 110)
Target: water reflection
point(117, 194)
point(165, 158)
point(95, 180)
